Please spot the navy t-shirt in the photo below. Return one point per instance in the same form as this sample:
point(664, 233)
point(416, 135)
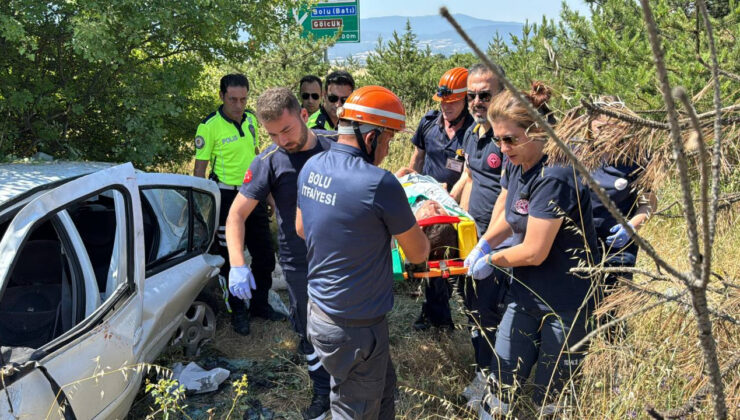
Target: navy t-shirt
point(276, 171)
point(485, 161)
point(551, 192)
point(618, 181)
point(350, 211)
point(431, 137)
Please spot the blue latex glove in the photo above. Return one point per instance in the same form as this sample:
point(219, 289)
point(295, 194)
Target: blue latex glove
point(621, 236)
point(477, 253)
point(241, 282)
point(482, 269)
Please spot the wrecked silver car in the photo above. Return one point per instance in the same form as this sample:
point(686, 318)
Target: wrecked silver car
point(100, 266)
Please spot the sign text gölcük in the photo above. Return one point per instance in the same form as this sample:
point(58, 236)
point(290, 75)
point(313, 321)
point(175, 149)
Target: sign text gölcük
point(328, 17)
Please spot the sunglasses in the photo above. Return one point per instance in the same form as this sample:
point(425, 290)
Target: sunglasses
point(443, 91)
point(483, 95)
point(306, 95)
point(511, 141)
point(334, 98)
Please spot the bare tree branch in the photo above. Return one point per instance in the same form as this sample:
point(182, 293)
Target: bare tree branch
point(719, 111)
point(628, 118)
point(716, 153)
point(644, 122)
point(616, 270)
point(678, 149)
point(587, 339)
point(707, 339)
point(681, 94)
point(672, 298)
point(690, 406)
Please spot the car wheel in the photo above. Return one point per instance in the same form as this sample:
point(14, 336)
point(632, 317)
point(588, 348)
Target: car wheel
point(198, 326)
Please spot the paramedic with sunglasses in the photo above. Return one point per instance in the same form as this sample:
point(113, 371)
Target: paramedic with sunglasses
point(348, 211)
point(546, 306)
point(309, 89)
point(477, 190)
point(438, 153)
point(337, 88)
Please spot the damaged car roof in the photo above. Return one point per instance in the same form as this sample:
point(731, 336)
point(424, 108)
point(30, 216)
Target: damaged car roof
point(18, 178)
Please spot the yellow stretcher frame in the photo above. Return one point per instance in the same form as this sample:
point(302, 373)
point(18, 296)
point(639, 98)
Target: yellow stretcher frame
point(467, 238)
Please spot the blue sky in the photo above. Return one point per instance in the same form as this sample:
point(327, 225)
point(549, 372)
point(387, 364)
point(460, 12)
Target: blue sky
point(499, 10)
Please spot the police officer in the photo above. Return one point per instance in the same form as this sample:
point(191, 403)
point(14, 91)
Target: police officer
point(275, 171)
point(618, 179)
point(547, 307)
point(337, 88)
point(310, 92)
point(439, 153)
point(479, 187)
point(227, 140)
point(348, 211)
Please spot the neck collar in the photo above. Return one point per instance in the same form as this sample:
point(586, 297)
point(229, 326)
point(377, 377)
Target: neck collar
point(226, 117)
point(348, 149)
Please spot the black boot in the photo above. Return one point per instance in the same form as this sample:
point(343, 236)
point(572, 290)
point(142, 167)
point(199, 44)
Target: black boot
point(240, 322)
point(422, 323)
point(319, 408)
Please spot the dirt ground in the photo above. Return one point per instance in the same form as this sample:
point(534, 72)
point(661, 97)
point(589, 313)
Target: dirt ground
point(433, 367)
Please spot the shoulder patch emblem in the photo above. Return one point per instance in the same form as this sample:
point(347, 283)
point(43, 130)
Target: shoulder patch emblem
point(494, 161)
point(200, 142)
point(248, 176)
point(522, 206)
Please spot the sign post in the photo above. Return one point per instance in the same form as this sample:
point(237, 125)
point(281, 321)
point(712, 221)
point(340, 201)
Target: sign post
point(328, 17)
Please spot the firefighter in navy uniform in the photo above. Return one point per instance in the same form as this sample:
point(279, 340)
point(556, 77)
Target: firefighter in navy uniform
point(227, 141)
point(275, 171)
point(439, 154)
point(348, 211)
point(337, 88)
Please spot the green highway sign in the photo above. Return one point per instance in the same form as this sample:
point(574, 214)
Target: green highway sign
point(327, 17)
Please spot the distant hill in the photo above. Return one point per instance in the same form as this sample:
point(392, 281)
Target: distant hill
point(433, 30)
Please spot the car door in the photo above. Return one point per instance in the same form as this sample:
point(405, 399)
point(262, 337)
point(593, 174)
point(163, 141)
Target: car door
point(180, 218)
point(89, 369)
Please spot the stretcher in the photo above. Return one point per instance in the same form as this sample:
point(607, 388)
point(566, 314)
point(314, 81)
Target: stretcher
point(467, 237)
point(423, 187)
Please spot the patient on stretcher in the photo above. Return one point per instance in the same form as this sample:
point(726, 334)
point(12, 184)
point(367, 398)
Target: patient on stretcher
point(429, 199)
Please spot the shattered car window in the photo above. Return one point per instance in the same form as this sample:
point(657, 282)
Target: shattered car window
point(204, 219)
point(172, 214)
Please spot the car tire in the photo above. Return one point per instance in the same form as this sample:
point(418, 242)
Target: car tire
point(197, 327)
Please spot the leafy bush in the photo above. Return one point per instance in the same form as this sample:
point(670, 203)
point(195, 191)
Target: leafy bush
point(117, 81)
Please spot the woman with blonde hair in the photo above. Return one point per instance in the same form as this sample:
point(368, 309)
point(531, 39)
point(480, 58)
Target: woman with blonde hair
point(549, 210)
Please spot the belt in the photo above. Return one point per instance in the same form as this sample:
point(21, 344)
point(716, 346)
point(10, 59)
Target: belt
point(344, 322)
point(223, 186)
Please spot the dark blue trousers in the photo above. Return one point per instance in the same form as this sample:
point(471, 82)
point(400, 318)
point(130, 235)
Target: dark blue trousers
point(298, 292)
point(483, 300)
point(258, 240)
point(527, 337)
